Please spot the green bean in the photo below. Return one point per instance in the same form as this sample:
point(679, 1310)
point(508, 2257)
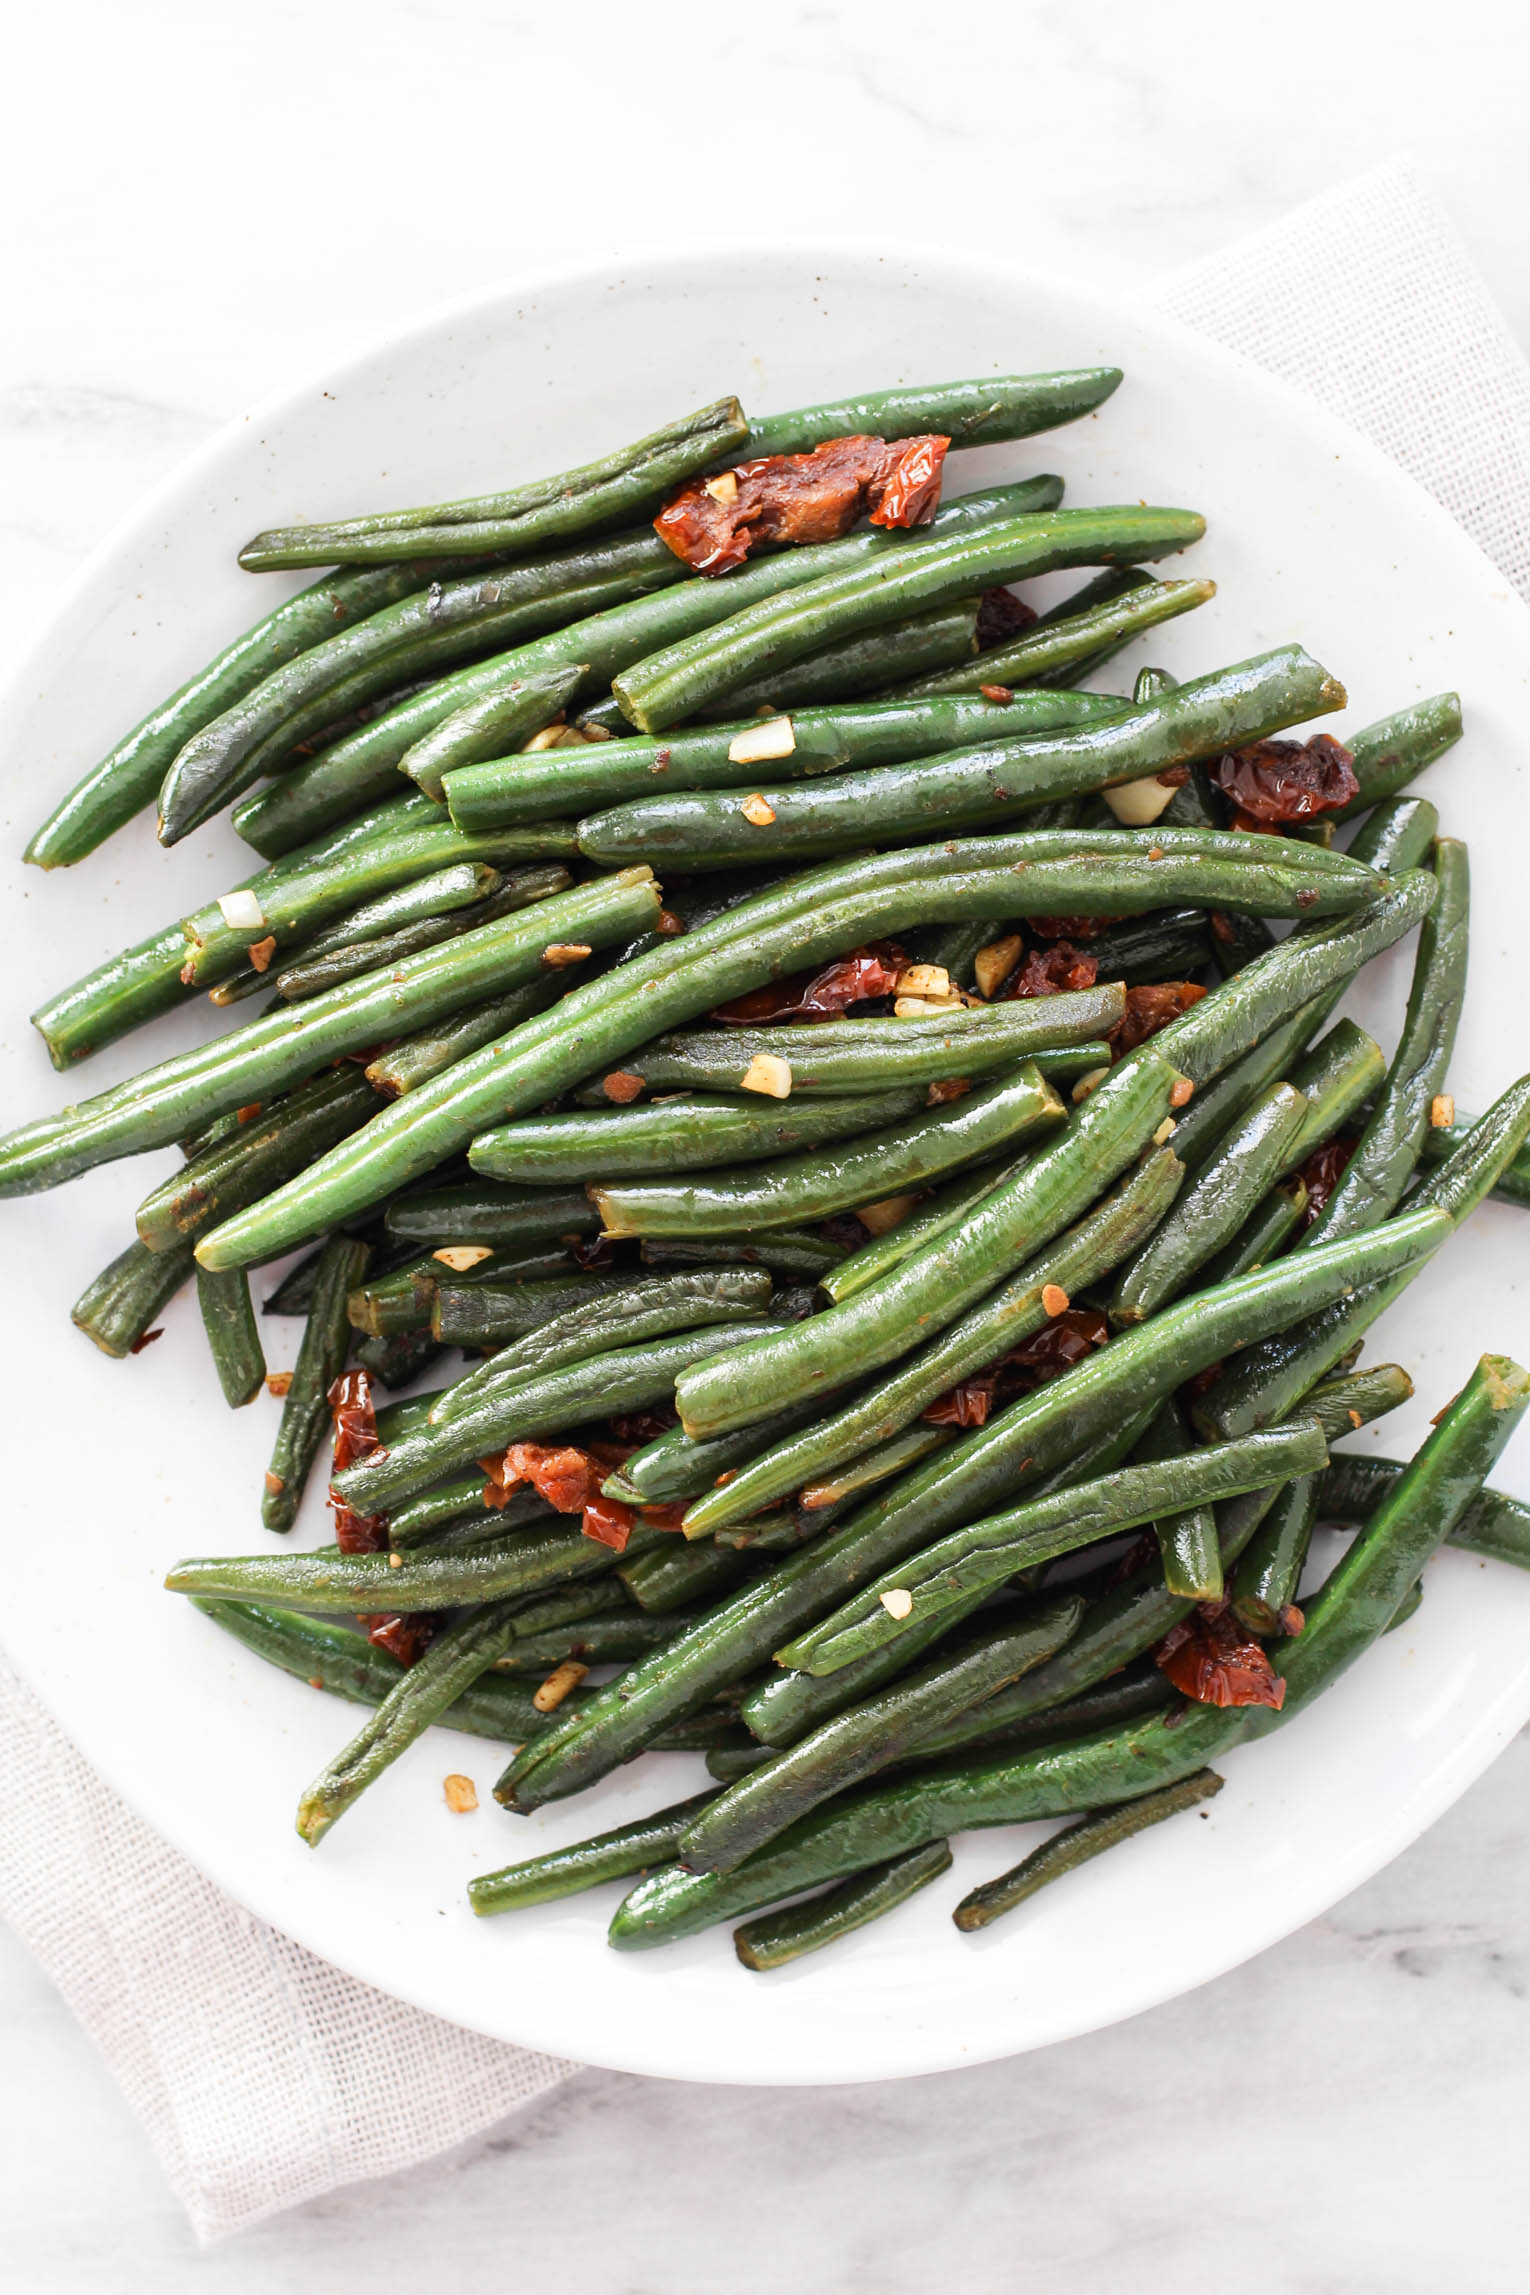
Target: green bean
point(1268, 1378)
point(1494, 1525)
point(305, 1416)
point(233, 1337)
point(489, 1315)
point(117, 1310)
point(294, 1293)
point(505, 1218)
point(1441, 1141)
point(161, 1104)
point(967, 788)
point(866, 1737)
point(1211, 1210)
point(129, 775)
point(867, 662)
point(781, 1937)
point(985, 1553)
point(421, 634)
point(136, 985)
point(1039, 1432)
point(673, 1466)
point(675, 1576)
point(593, 1026)
point(1077, 1844)
point(681, 678)
point(1261, 1237)
point(625, 484)
point(404, 1298)
point(1388, 754)
point(797, 1251)
point(621, 1379)
point(816, 1183)
point(463, 1649)
point(1338, 1076)
point(941, 1209)
point(1397, 835)
point(1373, 1180)
point(314, 971)
point(1002, 1319)
point(980, 413)
point(413, 1060)
point(1351, 1611)
point(1220, 1104)
point(677, 1135)
point(929, 1290)
point(561, 784)
point(361, 767)
point(460, 1499)
point(491, 726)
point(1172, 944)
point(1267, 1577)
point(1188, 1543)
point(460, 885)
point(878, 1464)
point(829, 1055)
point(614, 1856)
point(281, 1139)
point(1074, 638)
point(608, 1637)
point(400, 1358)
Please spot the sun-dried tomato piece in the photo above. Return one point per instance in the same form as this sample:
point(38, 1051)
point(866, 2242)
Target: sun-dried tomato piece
point(1001, 616)
point(621, 1086)
point(592, 1251)
point(1064, 1341)
point(663, 1517)
point(942, 1094)
point(608, 1522)
point(1070, 927)
point(714, 523)
point(1273, 781)
point(965, 1404)
point(354, 1418)
point(823, 995)
point(146, 1339)
point(564, 1476)
point(638, 1427)
point(1208, 1657)
point(1323, 1170)
point(1148, 1009)
point(405, 1638)
point(1047, 971)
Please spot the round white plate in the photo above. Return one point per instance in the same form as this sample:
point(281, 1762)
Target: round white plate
point(116, 1469)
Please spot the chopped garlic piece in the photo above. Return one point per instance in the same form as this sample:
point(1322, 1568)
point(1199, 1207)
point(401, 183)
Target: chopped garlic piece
point(772, 737)
point(925, 980)
point(898, 1602)
point(926, 1007)
point(1138, 803)
point(1086, 1084)
point(461, 1794)
point(767, 1073)
point(1054, 1299)
point(893, 1209)
point(461, 1256)
point(242, 912)
point(1165, 1132)
point(993, 965)
point(759, 810)
point(1442, 1111)
point(548, 738)
point(559, 1682)
point(560, 952)
point(723, 488)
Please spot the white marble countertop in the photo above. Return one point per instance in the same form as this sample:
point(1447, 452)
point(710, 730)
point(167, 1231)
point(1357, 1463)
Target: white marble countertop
point(206, 202)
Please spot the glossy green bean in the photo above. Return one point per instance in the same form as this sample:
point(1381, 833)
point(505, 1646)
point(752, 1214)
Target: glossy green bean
point(800, 1252)
point(673, 1466)
point(281, 1139)
point(613, 1856)
point(625, 484)
point(968, 788)
point(1220, 1103)
point(1210, 1211)
point(781, 1937)
point(1495, 1525)
point(868, 662)
point(1397, 835)
point(674, 1576)
point(1388, 754)
point(1264, 1585)
point(943, 1208)
point(817, 1182)
point(1441, 1142)
point(1079, 1844)
point(1072, 639)
point(312, 971)
point(118, 1308)
point(610, 1636)
point(492, 726)
point(1188, 1543)
point(507, 1219)
point(294, 1293)
point(983, 412)
point(233, 1336)
point(1268, 1227)
point(1338, 1076)
point(305, 1418)
point(690, 1134)
point(413, 1060)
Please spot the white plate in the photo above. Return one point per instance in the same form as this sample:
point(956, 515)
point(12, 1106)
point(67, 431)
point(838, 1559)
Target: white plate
point(115, 1469)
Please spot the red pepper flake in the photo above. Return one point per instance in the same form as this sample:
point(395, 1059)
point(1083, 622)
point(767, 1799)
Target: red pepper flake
point(1209, 1658)
point(1047, 971)
point(355, 1422)
point(608, 1522)
point(1148, 1009)
point(260, 952)
point(941, 1095)
point(997, 692)
point(1291, 1620)
point(1323, 1170)
point(277, 1383)
point(1275, 781)
point(1001, 616)
point(622, 1086)
point(1071, 927)
point(714, 523)
point(247, 1115)
point(403, 1638)
point(146, 1339)
point(1172, 777)
point(668, 926)
point(663, 1517)
point(1182, 1093)
point(1199, 1382)
point(824, 995)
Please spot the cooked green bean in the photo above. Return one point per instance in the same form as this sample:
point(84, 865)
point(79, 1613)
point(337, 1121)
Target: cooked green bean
point(560, 784)
point(1338, 1076)
point(1353, 1608)
point(507, 1219)
point(967, 788)
point(233, 1337)
point(829, 1055)
point(1388, 754)
point(118, 1309)
point(1222, 1101)
point(679, 1135)
point(540, 1555)
point(1002, 1319)
point(613, 1856)
point(624, 484)
point(314, 970)
point(781, 1937)
point(866, 1737)
point(1077, 1844)
point(931, 569)
point(1262, 1236)
point(673, 1466)
point(281, 1139)
point(1188, 1543)
point(1072, 639)
point(868, 662)
point(1441, 1142)
point(413, 1060)
point(1373, 1180)
point(816, 1183)
point(361, 767)
point(491, 726)
point(305, 1416)
point(128, 777)
point(1494, 1525)
point(674, 1576)
point(164, 1102)
point(802, 1252)
point(1211, 1210)
point(1397, 835)
point(609, 1636)
point(944, 1207)
point(984, 412)
point(400, 1358)
point(294, 1293)
point(1264, 1585)
point(1171, 944)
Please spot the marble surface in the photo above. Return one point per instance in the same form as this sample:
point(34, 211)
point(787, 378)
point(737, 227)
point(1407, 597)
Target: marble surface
point(205, 202)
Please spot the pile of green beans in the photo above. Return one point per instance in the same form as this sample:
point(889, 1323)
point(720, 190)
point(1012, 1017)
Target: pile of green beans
point(819, 1362)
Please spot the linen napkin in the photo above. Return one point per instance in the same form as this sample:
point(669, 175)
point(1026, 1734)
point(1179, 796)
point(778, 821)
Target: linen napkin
point(264, 2076)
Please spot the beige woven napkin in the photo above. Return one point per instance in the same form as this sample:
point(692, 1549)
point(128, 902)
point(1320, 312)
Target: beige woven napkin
point(263, 2075)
